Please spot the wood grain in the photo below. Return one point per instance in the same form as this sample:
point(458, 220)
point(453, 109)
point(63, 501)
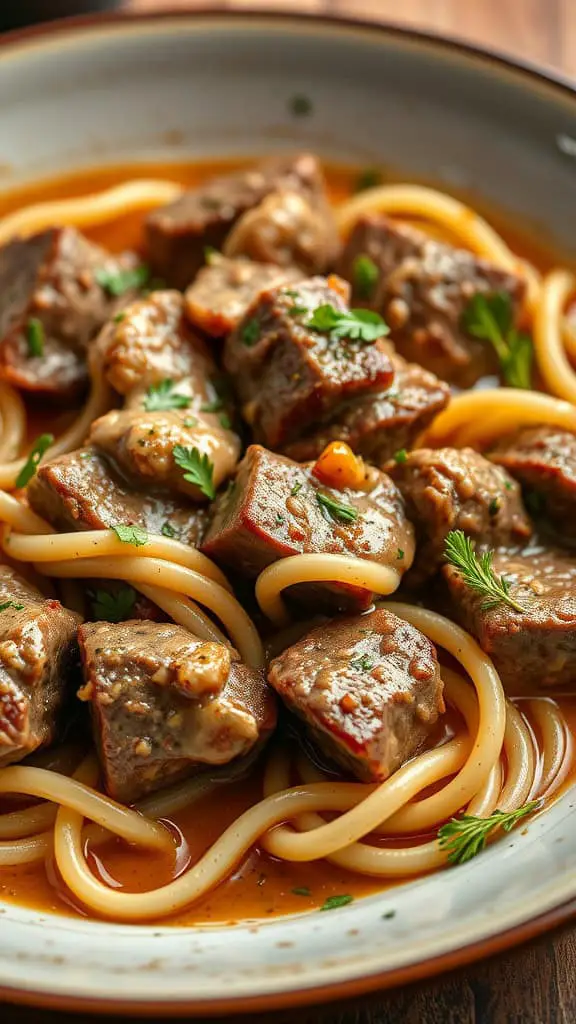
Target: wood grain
point(533, 985)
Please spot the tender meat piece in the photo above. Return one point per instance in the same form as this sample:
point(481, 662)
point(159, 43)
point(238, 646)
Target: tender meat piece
point(289, 376)
point(422, 289)
point(277, 508)
point(149, 350)
point(165, 703)
point(457, 489)
point(82, 491)
point(37, 641)
point(52, 278)
point(377, 426)
point(534, 648)
point(178, 234)
point(223, 290)
point(289, 229)
point(543, 460)
point(368, 689)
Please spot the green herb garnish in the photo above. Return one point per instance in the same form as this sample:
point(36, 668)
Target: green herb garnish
point(369, 178)
point(388, 915)
point(465, 837)
point(199, 469)
point(225, 421)
point(354, 324)
point(400, 554)
point(191, 421)
point(363, 663)
point(119, 317)
point(477, 571)
point(301, 890)
point(494, 507)
point(209, 253)
point(250, 332)
point(365, 276)
point(214, 406)
point(296, 488)
point(168, 530)
point(336, 901)
point(491, 318)
point(300, 106)
point(135, 535)
point(35, 336)
point(113, 607)
point(29, 468)
point(162, 396)
point(11, 604)
point(400, 456)
point(336, 508)
point(116, 282)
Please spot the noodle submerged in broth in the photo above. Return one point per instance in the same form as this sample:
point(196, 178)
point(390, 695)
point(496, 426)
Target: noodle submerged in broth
point(275, 419)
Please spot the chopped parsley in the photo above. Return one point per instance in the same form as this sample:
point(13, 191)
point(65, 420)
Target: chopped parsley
point(113, 607)
point(388, 915)
point(354, 324)
point(29, 468)
point(368, 178)
point(365, 276)
point(280, 520)
point(11, 604)
point(336, 901)
point(168, 530)
point(191, 421)
point(296, 488)
point(336, 509)
point(301, 890)
point(250, 332)
point(400, 554)
point(225, 421)
point(119, 317)
point(135, 535)
point(400, 456)
point(35, 336)
point(214, 406)
point(199, 470)
point(162, 396)
point(300, 105)
point(494, 507)
point(117, 282)
point(491, 318)
point(363, 663)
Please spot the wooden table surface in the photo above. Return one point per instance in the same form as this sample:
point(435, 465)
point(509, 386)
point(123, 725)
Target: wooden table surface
point(535, 984)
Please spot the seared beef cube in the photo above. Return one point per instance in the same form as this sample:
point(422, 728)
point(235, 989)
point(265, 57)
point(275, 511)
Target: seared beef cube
point(276, 508)
point(37, 640)
point(81, 491)
point(368, 689)
point(377, 426)
point(534, 648)
point(422, 289)
point(51, 306)
point(457, 489)
point(223, 290)
point(543, 460)
point(164, 703)
point(289, 229)
point(202, 217)
point(164, 370)
point(290, 376)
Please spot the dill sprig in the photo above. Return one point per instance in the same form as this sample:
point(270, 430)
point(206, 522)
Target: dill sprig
point(465, 837)
point(477, 572)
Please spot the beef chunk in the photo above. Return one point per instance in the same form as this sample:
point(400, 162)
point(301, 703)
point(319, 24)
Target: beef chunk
point(167, 376)
point(82, 491)
point(535, 648)
point(179, 233)
point(223, 290)
point(457, 489)
point(289, 229)
point(52, 278)
point(368, 689)
point(164, 703)
point(37, 638)
point(543, 460)
point(277, 508)
point(422, 289)
point(289, 376)
point(377, 426)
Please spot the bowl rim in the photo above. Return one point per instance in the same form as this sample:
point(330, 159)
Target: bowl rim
point(550, 921)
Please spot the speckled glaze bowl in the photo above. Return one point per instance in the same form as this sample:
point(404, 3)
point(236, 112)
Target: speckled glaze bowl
point(199, 85)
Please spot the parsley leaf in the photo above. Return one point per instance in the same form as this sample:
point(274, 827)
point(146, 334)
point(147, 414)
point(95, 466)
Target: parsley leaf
point(199, 469)
point(162, 396)
point(337, 509)
point(400, 456)
point(301, 890)
point(336, 901)
point(365, 276)
point(29, 468)
point(135, 535)
point(168, 530)
point(296, 487)
point(35, 336)
point(363, 663)
point(11, 604)
point(491, 318)
point(250, 332)
point(354, 324)
point(116, 282)
point(113, 607)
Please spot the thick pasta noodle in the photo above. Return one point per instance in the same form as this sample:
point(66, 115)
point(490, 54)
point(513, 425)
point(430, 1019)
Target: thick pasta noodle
point(499, 755)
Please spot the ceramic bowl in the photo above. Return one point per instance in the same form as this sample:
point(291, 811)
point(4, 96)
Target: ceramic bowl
point(200, 85)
